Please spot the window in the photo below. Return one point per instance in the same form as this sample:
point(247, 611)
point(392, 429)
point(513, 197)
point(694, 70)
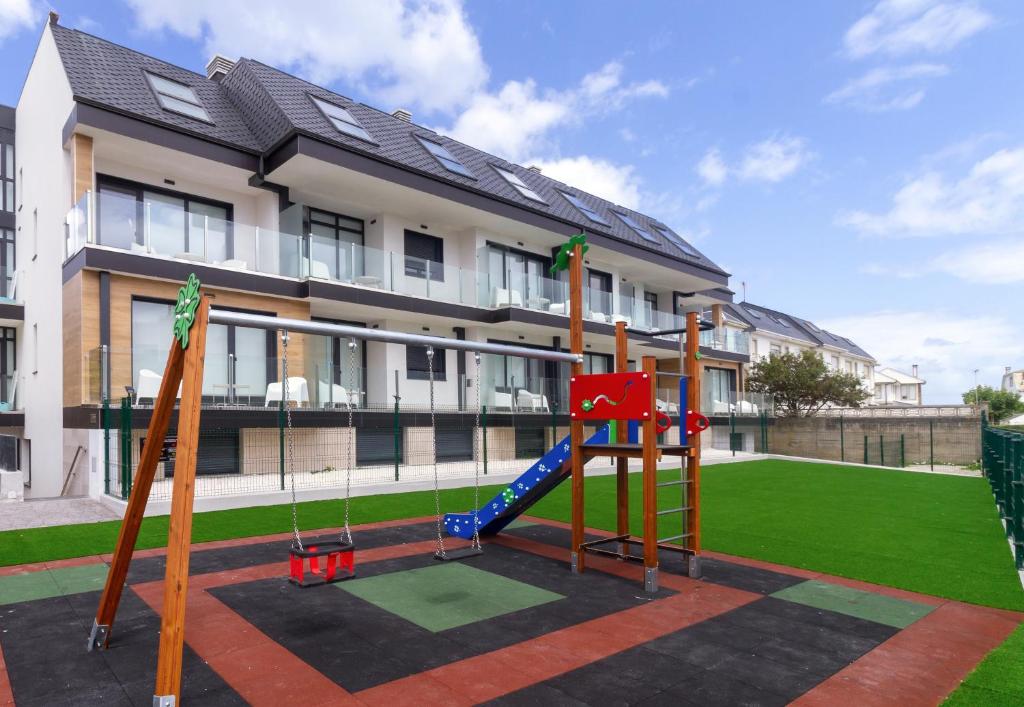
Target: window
point(518, 279)
point(720, 384)
point(598, 295)
point(678, 242)
point(908, 392)
point(329, 361)
point(7, 178)
point(518, 184)
point(651, 298)
point(7, 262)
point(146, 219)
point(417, 366)
point(811, 326)
point(636, 227)
point(584, 209)
point(240, 361)
point(505, 376)
point(446, 158)
point(35, 348)
point(598, 363)
point(424, 256)
point(775, 349)
point(342, 119)
point(752, 312)
point(177, 97)
point(835, 363)
point(335, 246)
point(8, 363)
point(781, 321)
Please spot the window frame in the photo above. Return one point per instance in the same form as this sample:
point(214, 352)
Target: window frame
point(8, 183)
point(440, 369)
point(517, 183)
point(361, 132)
point(449, 156)
point(412, 269)
point(160, 95)
point(585, 210)
point(676, 240)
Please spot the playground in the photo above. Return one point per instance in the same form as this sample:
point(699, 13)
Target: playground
point(825, 584)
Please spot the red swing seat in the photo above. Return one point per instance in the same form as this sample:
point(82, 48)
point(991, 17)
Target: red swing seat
point(306, 569)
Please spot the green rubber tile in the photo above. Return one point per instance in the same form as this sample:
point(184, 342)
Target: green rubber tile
point(448, 595)
point(898, 613)
point(519, 523)
point(51, 583)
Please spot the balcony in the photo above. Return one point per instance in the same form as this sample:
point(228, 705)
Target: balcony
point(732, 403)
point(726, 339)
point(156, 229)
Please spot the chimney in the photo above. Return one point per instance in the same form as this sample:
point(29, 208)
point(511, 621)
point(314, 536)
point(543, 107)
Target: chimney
point(403, 114)
point(913, 370)
point(54, 17)
point(218, 67)
point(534, 168)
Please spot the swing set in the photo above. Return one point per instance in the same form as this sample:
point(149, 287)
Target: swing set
point(315, 564)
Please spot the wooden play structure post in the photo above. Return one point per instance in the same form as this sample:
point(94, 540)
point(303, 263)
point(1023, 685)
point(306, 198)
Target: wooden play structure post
point(649, 440)
point(692, 402)
point(621, 437)
point(576, 426)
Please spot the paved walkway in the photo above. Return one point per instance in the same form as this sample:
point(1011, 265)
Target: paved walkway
point(52, 511)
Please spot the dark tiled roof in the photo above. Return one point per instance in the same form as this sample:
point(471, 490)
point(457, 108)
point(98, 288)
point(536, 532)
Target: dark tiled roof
point(255, 107)
point(801, 329)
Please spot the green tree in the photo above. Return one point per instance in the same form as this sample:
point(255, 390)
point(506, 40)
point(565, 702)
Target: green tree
point(802, 384)
point(1002, 404)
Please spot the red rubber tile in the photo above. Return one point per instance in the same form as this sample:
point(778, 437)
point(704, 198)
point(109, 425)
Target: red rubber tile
point(6, 694)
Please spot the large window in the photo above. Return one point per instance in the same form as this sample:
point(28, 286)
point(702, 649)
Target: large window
point(338, 373)
point(417, 367)
point(7, 177)
point(517, 278)
point(335, 246)
point(7, 262)
point(599, 293)
point(240, 361)
point(146, 219)
point(424, 256)
point(720, 383)
point(8, 363)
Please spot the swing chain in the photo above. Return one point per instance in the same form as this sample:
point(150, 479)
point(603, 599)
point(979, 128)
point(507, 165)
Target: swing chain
point(297, 540)
point(437, 489)
point(347, 532)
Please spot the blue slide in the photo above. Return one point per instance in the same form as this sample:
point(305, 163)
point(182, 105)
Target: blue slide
point(549, 471)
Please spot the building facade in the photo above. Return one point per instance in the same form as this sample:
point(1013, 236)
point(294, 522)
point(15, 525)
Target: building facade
point(896, 388)
point(288, 199)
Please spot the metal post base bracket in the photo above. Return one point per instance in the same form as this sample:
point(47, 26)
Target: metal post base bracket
point(574, 563)
point(694, 570)
point(650, 579)
point(163, 700)
point(98, 636)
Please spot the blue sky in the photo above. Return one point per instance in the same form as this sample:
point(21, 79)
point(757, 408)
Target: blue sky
point(857, 163)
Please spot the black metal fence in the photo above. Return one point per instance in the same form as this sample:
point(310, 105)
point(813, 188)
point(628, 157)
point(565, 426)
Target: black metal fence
point(1003, 464)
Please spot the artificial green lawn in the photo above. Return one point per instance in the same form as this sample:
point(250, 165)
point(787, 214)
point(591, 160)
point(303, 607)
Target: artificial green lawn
point(998, 681)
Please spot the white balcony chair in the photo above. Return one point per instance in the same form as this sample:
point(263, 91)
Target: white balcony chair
point(507, 298)
point(148, 385)
point(234, 264)
point(531, 402)
point(599, 316)
point(621, 318)
point(667, 407)
point(718, 407)
point(319, 269)
point(298, 392)
point(333, 394)
point(560, 308)
point(503, 400)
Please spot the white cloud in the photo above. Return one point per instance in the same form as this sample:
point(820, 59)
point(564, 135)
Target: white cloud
point(946, 346)
point(516, 121)
point(15, 15)
point(989, 200)
point(997, 263)
point(416, 54)
point(712, 169)
point(774, 159)
point(899, 27)
point(616, 183)
point(887, 88)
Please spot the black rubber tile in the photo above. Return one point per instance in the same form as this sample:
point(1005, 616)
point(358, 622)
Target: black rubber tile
point(537, 696)
point(716, 689)
point(828, 619)
point(750, 579)
point(686, 647)
point(319, 625)
point(624, 678)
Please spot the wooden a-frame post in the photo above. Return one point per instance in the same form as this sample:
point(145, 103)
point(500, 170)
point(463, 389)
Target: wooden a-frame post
point(692, 402)
point(649, 433)
point(576, 426)
point(621, 437)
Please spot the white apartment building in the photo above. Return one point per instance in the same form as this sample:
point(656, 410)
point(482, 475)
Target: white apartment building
point(289, 199)
point(897, 388)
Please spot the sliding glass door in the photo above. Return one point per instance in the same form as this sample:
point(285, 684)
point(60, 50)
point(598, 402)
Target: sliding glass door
point(517, 278)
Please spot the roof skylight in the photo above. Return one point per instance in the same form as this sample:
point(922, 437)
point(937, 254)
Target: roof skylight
point(752, 312)
point(584, 209)
point(177, 97)
point(518, 184)
point(342, 119)
point(677, 241)
point(636, 227)
point(446, 158)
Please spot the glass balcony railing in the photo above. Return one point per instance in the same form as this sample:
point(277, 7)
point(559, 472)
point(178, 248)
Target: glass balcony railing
point(726, 339)
point(161, 230)
point(725, 403)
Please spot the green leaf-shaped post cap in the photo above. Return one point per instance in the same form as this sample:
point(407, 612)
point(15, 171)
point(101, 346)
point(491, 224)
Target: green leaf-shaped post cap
point(565, 252)
point(185, 310)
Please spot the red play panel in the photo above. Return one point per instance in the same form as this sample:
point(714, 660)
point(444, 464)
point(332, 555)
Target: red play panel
point(610, 396)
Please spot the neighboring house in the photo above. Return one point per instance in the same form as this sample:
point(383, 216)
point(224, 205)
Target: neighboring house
point(896, 388)
point(773, 332)
point(289, 199)
point(1013, 381)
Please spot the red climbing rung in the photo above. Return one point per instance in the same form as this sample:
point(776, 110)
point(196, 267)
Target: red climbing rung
point(305, 568)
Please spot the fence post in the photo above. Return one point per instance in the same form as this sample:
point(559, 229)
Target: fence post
point(881, 450)
point(903, 451)
point(483, 423)
point(842, 439)
point(732, 432)
point(396, 431)
point(931, 444)
point(126, 448)
point(1018, 482)
point(106, 446)
point(865, 449)
point(280, 440)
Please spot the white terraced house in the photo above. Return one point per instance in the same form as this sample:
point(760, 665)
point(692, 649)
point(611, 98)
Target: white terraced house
point(896, 388)
point(286, 198)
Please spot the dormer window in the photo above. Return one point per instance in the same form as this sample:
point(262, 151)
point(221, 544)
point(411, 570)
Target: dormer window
point(177, 97)
point(583, 208)
point(636, 227)
point(446, 158)
point(342, 119)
